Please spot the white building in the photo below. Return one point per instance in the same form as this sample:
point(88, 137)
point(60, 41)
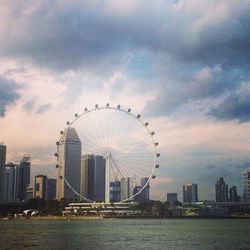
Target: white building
point(69, 161)
point(246, 186)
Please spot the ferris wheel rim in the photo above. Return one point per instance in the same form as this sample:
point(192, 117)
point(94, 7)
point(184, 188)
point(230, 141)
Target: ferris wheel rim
point(138, 118)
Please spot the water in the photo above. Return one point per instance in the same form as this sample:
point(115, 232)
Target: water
point(125, 234)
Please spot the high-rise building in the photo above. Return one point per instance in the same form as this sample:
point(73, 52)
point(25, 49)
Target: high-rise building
point(115, 191)
point(51, 189)
point(87, 176)
point(69, 160)
point(11, 182)
point(93, 177)
point(127, 188)
point(221, 191)
point(233, 195)
point(99, 178)
point(144, 195)
point(2, 170)
point(23, 177)
point(246, 186)
point(40, 187)
point(172, 197)
point(190, 193)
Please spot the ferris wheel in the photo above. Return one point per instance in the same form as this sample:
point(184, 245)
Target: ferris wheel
point(126, 144)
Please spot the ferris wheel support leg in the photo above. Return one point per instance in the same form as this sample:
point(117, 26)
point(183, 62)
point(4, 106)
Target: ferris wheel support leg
point(107, 179)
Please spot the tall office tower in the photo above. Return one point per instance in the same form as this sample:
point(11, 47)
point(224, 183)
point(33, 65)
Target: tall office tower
point(93, 177)
point(87, 176)
point(99, 178)
point(127, 188)
point(221, 191)
point(145, 192)
point(51, 194)
point(2, 170)
point(23, 177)
point(246, 186)
point(115, 191)
point(190, 193)
point(69, 150)
point(11, 182)
point(233, 195)
point(172, 197)
point(40, 187)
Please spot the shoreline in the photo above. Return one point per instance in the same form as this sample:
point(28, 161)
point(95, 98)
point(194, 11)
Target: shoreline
point(69, 218)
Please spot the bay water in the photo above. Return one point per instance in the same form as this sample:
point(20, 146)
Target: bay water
point(121, 234)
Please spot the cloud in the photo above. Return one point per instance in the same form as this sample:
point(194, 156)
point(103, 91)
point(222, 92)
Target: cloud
point(43, 108)
point(234, 107)
point(8, 94)
point(29, 105)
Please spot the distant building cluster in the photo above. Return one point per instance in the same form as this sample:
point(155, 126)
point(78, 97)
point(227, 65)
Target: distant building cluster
point(85, 174)
point(15, 181)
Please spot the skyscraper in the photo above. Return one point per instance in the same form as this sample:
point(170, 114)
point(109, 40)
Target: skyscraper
point(190, 193)
point(221, 191)
point(23, 177)
point(115, 191)
point(69, 160)
point(40, 187)
point(145, 192)
point(233, 195)
point(127, 188)
point(2, 170)
point(246, 186)
point(99, 178)
point(87, 176)
point(11, 182)
point(51, 189)
point(93, 177)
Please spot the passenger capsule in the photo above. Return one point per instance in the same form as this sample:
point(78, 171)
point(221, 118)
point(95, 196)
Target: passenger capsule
point(157, 143)
point(85, 109)
point(118, 106)
point(153, 177)
point(57, 143)
point(152, 133)
point(76, 115)
point(67, 122)
point(57, 166)
point(96, 106)
point(107, 105)
point(61, 132)
point(138, 116)
point(146, 124)
point(157, 166)
point(158, 155)
point(56, 154)
point(61, 177)
point(129, 110)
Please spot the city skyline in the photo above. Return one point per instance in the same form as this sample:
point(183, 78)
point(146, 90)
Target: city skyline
point(184, 69)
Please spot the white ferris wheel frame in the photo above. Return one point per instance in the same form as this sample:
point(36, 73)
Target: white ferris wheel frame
point(107, 190)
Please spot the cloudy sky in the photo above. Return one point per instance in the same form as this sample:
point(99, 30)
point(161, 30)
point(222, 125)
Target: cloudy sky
point(183, 64)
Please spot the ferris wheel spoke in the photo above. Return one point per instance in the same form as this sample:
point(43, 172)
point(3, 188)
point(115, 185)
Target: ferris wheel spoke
point(127, 167)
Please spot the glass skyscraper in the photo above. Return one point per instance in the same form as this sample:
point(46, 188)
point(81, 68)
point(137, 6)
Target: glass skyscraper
point(69, 160)
point(2, 170)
